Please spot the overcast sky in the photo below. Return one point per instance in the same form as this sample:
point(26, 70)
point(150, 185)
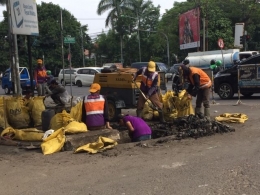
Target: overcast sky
point(86, 11)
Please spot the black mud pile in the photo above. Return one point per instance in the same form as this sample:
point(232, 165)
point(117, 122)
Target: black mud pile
point(190, 126)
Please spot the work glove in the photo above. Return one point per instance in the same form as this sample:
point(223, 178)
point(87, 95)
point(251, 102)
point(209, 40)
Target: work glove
point(194, 91)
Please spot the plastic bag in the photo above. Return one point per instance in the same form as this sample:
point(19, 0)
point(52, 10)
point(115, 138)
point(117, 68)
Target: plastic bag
point(60, 120)
point(184, 105)
point(54, 142)
point(76, 127)
point(17, 114)
point(232, 117)
point(36, 107)
point(30, 134)
point(100, 145)
point(76, 111)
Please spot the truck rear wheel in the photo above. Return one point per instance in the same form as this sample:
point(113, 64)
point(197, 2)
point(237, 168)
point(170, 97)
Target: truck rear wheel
point(113, 112)
point(7, 90)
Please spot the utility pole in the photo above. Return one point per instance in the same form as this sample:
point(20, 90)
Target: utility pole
point(62, 48)
point(82, 44)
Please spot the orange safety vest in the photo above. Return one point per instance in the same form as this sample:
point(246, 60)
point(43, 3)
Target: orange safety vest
point(204, 78)
point(148, 81)
point(94, 106)
point(41, 74)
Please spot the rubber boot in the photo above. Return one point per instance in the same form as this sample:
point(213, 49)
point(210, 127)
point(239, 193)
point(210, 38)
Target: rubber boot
point(139, 113)
point(207, 112)
point(161, 117)
point(198, 112)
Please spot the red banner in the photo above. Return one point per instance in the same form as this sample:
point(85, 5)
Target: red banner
point(189, 29)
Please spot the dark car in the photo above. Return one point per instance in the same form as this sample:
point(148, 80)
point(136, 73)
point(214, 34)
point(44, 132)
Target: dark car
point(171, 71)
point(226, 81)
point(161, 68)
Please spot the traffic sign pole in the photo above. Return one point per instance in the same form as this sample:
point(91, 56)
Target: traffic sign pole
point(221, 45)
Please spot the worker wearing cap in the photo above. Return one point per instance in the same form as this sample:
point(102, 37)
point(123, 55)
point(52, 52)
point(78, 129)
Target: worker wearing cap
point(149, 86)
point(58, 93)
point(137, 127)
point(40, 77)
point(95, 109)
point(200, 84)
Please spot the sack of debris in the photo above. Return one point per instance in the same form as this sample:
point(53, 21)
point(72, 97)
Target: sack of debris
point(76, 111)
point(29, 134)
point(169, 100)
point(54, 142)
point(60, 120)
point(17, 114)
point(184, 105)
point(36, 107)
point(148, 113)
point(75, 127)
point(3, 120)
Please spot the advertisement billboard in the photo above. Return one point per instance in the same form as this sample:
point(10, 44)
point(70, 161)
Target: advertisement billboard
point(24, 17)
point(189, 29)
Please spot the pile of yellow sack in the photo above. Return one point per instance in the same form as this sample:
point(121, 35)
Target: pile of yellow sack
point(173, 106)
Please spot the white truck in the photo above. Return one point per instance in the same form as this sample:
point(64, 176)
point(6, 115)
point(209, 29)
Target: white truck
point(202, 59)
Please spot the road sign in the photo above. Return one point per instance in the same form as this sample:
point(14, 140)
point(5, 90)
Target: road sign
point(69, 39)
point(221, 43)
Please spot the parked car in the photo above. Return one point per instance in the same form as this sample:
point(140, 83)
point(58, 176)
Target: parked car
point(85, 76)
point(160, 67)
point(25, 81)
point(171, 71)
point(67, 73)
point(226, 81)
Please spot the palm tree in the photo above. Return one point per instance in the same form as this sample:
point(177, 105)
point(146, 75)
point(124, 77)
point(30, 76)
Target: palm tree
point(116, 8)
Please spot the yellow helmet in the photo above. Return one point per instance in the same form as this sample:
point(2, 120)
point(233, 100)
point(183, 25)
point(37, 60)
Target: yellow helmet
point(151, 66)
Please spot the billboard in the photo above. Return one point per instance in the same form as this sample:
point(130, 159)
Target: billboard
point(239, 31)
point(189, 29)
point(24, 17)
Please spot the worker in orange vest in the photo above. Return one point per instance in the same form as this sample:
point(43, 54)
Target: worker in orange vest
point(95, 109)
point(200, 85)
point(40, 77)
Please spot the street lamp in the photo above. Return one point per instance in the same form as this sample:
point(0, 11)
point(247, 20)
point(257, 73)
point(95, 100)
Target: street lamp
point(167, 40)
point(138, 33)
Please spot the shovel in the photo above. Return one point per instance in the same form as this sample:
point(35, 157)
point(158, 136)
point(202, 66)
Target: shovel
point(150, 104)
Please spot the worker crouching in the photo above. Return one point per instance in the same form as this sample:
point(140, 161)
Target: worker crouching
point(200, 85)
point(95, 109)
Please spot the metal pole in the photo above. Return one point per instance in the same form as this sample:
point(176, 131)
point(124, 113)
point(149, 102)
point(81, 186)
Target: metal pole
point(10, 40)
point(139, 38)
point(204, 37)
point(121, 43)
point(83, 56)
point(16, 70)
point(70, 72)
point(62, 49)
point(30, 63)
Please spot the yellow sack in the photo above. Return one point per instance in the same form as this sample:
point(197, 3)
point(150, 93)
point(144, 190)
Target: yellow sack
point(30, 134)
point(60, 120)
point(3, 118)
point(233, 118)
point(76, 127)
point(169, 105)
point(184, 105)
point(17, 114)
point(54, 142)
point(148, 113)
point(76, 111)
point(36, 107)
point(102, 144)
